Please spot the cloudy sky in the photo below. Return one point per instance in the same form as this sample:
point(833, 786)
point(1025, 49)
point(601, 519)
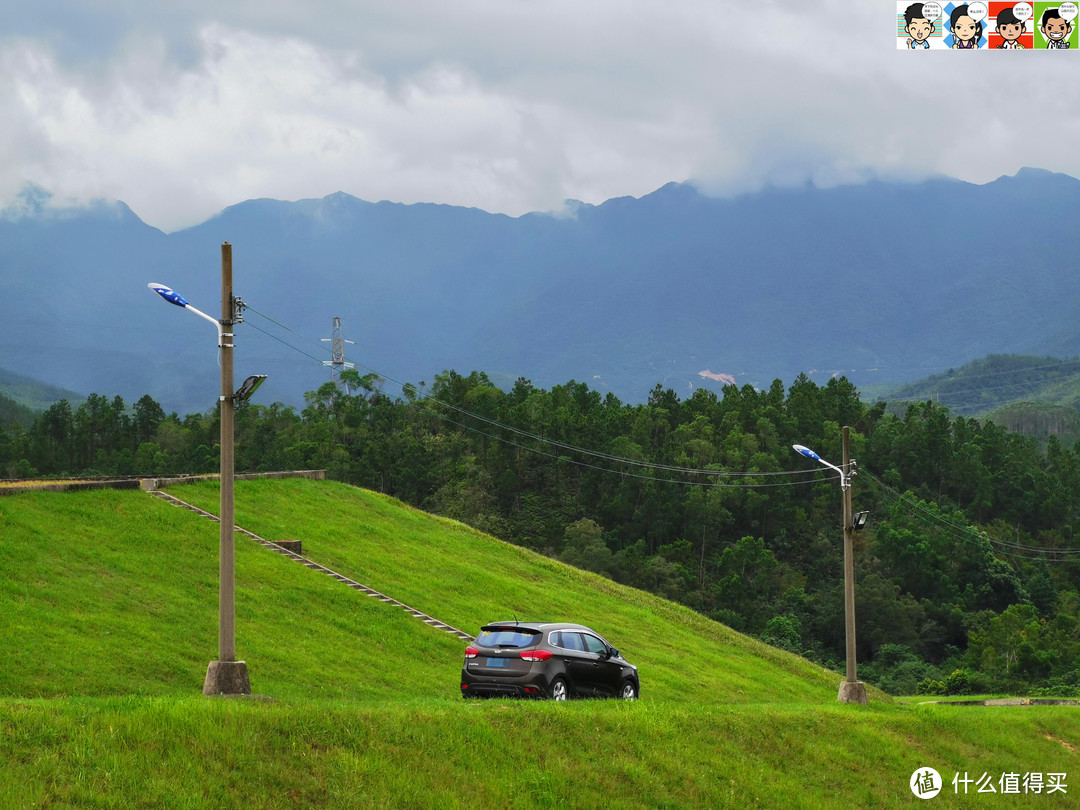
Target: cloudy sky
point(182, 107)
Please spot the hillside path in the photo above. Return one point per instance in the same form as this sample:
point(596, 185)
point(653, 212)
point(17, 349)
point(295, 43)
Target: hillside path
point(344, 580)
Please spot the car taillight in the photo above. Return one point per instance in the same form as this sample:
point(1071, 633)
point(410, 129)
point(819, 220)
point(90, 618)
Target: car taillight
point(471, 652)
point(536, 655)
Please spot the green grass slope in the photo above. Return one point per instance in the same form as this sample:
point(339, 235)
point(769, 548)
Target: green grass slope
point(467, 579)
point(197, 752)
point(108, 619)
point(115, 593)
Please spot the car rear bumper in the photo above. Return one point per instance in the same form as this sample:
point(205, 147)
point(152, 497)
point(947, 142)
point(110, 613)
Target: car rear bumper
point(489, 690)
point(530, 686)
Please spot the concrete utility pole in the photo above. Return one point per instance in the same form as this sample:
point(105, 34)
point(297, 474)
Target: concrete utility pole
point(227, 676)
point(851, 690)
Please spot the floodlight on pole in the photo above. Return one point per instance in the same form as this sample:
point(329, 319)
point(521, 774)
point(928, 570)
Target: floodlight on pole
point(249, 387)
point(851, 689)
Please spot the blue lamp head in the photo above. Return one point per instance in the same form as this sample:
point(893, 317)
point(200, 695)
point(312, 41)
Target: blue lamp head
point(168, 294)
point(806, 451)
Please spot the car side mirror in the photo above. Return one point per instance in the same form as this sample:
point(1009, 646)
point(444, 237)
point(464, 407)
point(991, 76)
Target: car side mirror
point(612, 652)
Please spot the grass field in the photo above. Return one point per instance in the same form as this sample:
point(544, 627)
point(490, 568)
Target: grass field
point(108, 620)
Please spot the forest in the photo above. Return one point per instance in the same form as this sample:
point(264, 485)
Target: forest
point(966, 573)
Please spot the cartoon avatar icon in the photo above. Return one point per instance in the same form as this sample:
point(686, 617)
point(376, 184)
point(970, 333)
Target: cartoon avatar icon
point(1056, 29)
point(965, 31)
point(918, 28)
point(1010, 29)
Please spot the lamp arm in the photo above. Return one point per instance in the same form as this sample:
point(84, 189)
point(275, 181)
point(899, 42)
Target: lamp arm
point(202, 314)
point(844, 483)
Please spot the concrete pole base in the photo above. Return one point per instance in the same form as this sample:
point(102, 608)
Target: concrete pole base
point(852, 692)
point(227, 678)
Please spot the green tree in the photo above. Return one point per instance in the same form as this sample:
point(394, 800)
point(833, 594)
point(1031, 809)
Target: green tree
point(148, 416)
point(584, 547)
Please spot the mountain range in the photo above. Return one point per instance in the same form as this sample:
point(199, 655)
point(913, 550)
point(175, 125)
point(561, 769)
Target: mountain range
point(884, 283)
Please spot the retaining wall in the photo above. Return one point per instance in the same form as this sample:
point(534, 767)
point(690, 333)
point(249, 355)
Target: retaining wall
point(14, 487)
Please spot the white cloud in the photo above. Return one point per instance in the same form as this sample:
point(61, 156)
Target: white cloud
point(508, 105)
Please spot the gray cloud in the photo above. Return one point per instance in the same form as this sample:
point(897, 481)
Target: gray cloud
point(509, 105)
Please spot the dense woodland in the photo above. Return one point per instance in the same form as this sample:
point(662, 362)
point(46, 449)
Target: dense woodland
point(967, 575)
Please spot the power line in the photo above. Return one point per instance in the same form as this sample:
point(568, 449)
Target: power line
point(548, 441)
point(618, 459)
point(282, 342)
point(969, 535)
point(962, 533)
point(621, 473)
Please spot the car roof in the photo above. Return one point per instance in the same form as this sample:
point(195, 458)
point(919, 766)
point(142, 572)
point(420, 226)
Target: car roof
point(535, 626)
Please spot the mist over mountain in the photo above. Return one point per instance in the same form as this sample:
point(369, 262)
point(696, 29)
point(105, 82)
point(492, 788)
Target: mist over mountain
point(883, 282)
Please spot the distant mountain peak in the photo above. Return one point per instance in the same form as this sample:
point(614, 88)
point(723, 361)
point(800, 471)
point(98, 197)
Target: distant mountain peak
point(335, 204)
point(570, 209)
point(37, 203)
point(1030, 174)
point(30, 202)
point(1030, 171)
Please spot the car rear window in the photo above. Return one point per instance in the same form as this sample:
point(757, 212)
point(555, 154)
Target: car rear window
point(506, 637)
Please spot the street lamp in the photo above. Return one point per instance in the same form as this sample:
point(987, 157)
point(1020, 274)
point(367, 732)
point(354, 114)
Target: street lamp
point(173, 297)
point(851, 689)
point(226, 676)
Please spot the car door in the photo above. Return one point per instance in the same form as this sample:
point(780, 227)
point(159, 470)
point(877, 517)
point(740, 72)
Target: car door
point(579, 662)
point(606, 672)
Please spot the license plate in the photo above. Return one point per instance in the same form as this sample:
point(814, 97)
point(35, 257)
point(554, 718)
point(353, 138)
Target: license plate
point(498, 662)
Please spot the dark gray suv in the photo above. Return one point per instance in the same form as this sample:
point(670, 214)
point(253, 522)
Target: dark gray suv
point(545, 660)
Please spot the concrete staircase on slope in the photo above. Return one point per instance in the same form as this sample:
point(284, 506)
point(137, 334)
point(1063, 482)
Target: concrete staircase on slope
point(428, 620)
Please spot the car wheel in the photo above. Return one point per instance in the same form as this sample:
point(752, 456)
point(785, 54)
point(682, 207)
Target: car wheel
point(559, 690)
point(628, 691)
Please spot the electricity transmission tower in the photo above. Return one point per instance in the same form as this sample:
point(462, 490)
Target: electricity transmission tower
point(337, 352)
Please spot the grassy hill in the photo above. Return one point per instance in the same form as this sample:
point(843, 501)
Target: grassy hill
point(1033, 396)
point(12, 413)
point(32, 395)
point(108, 619)
point(467, 578)
point(992, 383)
point(135, 581)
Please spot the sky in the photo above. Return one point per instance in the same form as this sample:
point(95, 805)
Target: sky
point(181, 108)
